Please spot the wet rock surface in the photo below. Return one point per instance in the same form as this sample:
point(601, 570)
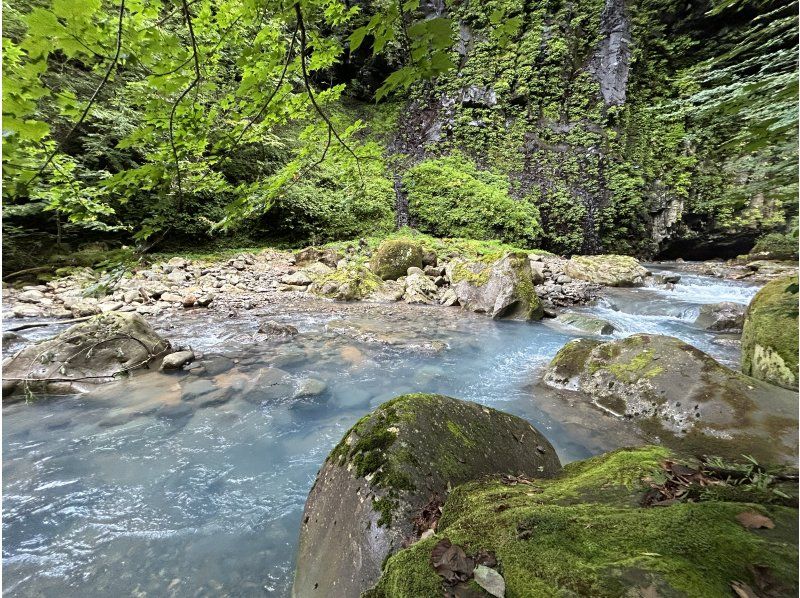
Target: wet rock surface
point(673, 392)
point(384, 472)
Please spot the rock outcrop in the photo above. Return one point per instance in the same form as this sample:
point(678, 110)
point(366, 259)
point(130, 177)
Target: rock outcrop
point(608, 270)
point(674, 392)
point(607, 526)
point(95, 351)
point(769, 336)
point(395, 462)
point(503, 289)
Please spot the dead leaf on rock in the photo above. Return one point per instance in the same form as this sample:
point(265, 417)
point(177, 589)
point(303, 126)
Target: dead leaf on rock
point(753, 520)
point(490, 580)
point(451, 562)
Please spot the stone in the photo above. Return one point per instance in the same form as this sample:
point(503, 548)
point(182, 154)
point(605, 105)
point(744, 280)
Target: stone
point(310, 387)
point(664, 388)
point(537, 271)
point(434, 271)
point(725, 316)
point(31, 296)
point(449, 298)
point(172, 298)
point(390, 290)
point(273, 328)
point(26, 310)
point(176, 361)
point(419, 288)
point(196, 388)
point(387, 468)
point(177, 262)
point(217, 365)
point(309, 255)
point(348, 284)
point(178, 276)
point(299, 278)
point(189, 301)
point(769, 335)
point(429, 258)
point(607, 270)
point(88, 353)
point(414, 270)
point(667, 278)
point(107, 306)
point(394, 257)
point(205, 300)
point(81, 309)
point(503, 289)
point(587, 323)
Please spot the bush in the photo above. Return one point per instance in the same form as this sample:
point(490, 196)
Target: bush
point(450, 197)
point(332, 201)
point(780, 246)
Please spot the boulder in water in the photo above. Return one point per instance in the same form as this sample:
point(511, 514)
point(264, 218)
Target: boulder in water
point(587, 323)
point(395, 462)
point(670, 390)
point(394, 257)
point(608, 270)
point(769, 336)
point(725, 316)
point(502, 289)
point(97, 350)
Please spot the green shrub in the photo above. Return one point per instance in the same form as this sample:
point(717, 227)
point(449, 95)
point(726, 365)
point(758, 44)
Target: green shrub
point(450, 197)
point(780, 246)
point(333, 201)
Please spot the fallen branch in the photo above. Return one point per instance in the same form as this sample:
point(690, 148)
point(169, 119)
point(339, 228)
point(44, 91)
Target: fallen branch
point(27, 271)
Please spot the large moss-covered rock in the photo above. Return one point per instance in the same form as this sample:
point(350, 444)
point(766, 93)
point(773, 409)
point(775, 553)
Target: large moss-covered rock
point(394, 257)
point(94, 351)
point(769, 336)
point(608, 270)
point(350, 283)
point(586, 533)
point(673, 392)
point(501, 289)
point(387, 468)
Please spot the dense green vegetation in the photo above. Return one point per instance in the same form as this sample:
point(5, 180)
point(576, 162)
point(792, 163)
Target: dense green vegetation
point(242, 121)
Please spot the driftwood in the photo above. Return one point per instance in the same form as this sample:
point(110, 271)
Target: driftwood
point(28, 271)
point(40, 324)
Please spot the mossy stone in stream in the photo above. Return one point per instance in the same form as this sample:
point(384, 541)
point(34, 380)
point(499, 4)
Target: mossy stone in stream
point(673, 393)
point(608, 270)
point(584, 533)
point(387, 468)
point(770, 337)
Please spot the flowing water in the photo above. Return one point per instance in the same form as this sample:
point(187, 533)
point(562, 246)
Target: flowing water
point(133, 490)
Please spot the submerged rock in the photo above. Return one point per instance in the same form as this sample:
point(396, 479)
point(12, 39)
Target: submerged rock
point(394, 462)
point(608, 270)
point(587, 323)
point(586, 533)
point(503, 289)
point(394, 257)
point(725, 316)
point(674, 392)
point(85, 354)
point(769, 336)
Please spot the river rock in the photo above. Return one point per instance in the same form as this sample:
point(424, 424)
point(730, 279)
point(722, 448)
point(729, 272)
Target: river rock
point(608, 270)
point(299, 278)
point(769, 336)
point(273, 328)
point(27, 310)
point(503, 289)
point(725, 316)
point(88, 353)
point(672, 391)
point(309, 255)
point(31, 296)
point(394, 257)
point(587, 323)
point(387, 468)
point(176, 361)
point(346, 284)
point(419, 288)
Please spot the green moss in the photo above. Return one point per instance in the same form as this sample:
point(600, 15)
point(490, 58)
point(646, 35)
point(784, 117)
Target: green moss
point(456, 431)
point(384, 506)
point(351, 283)
point(638, 367)
point(475, 273)
point(584, 533)
point(769, 337)
point(394, 257)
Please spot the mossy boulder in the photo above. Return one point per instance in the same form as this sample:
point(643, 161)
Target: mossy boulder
point(608, 270)
point(502, 288)
point(97, 350)
point(586, 533)
point(675, 393)
point(394, 462)
point(769, 336)
point(350, 283)
point(394, 257)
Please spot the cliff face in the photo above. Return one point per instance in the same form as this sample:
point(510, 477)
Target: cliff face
point(580, 104)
